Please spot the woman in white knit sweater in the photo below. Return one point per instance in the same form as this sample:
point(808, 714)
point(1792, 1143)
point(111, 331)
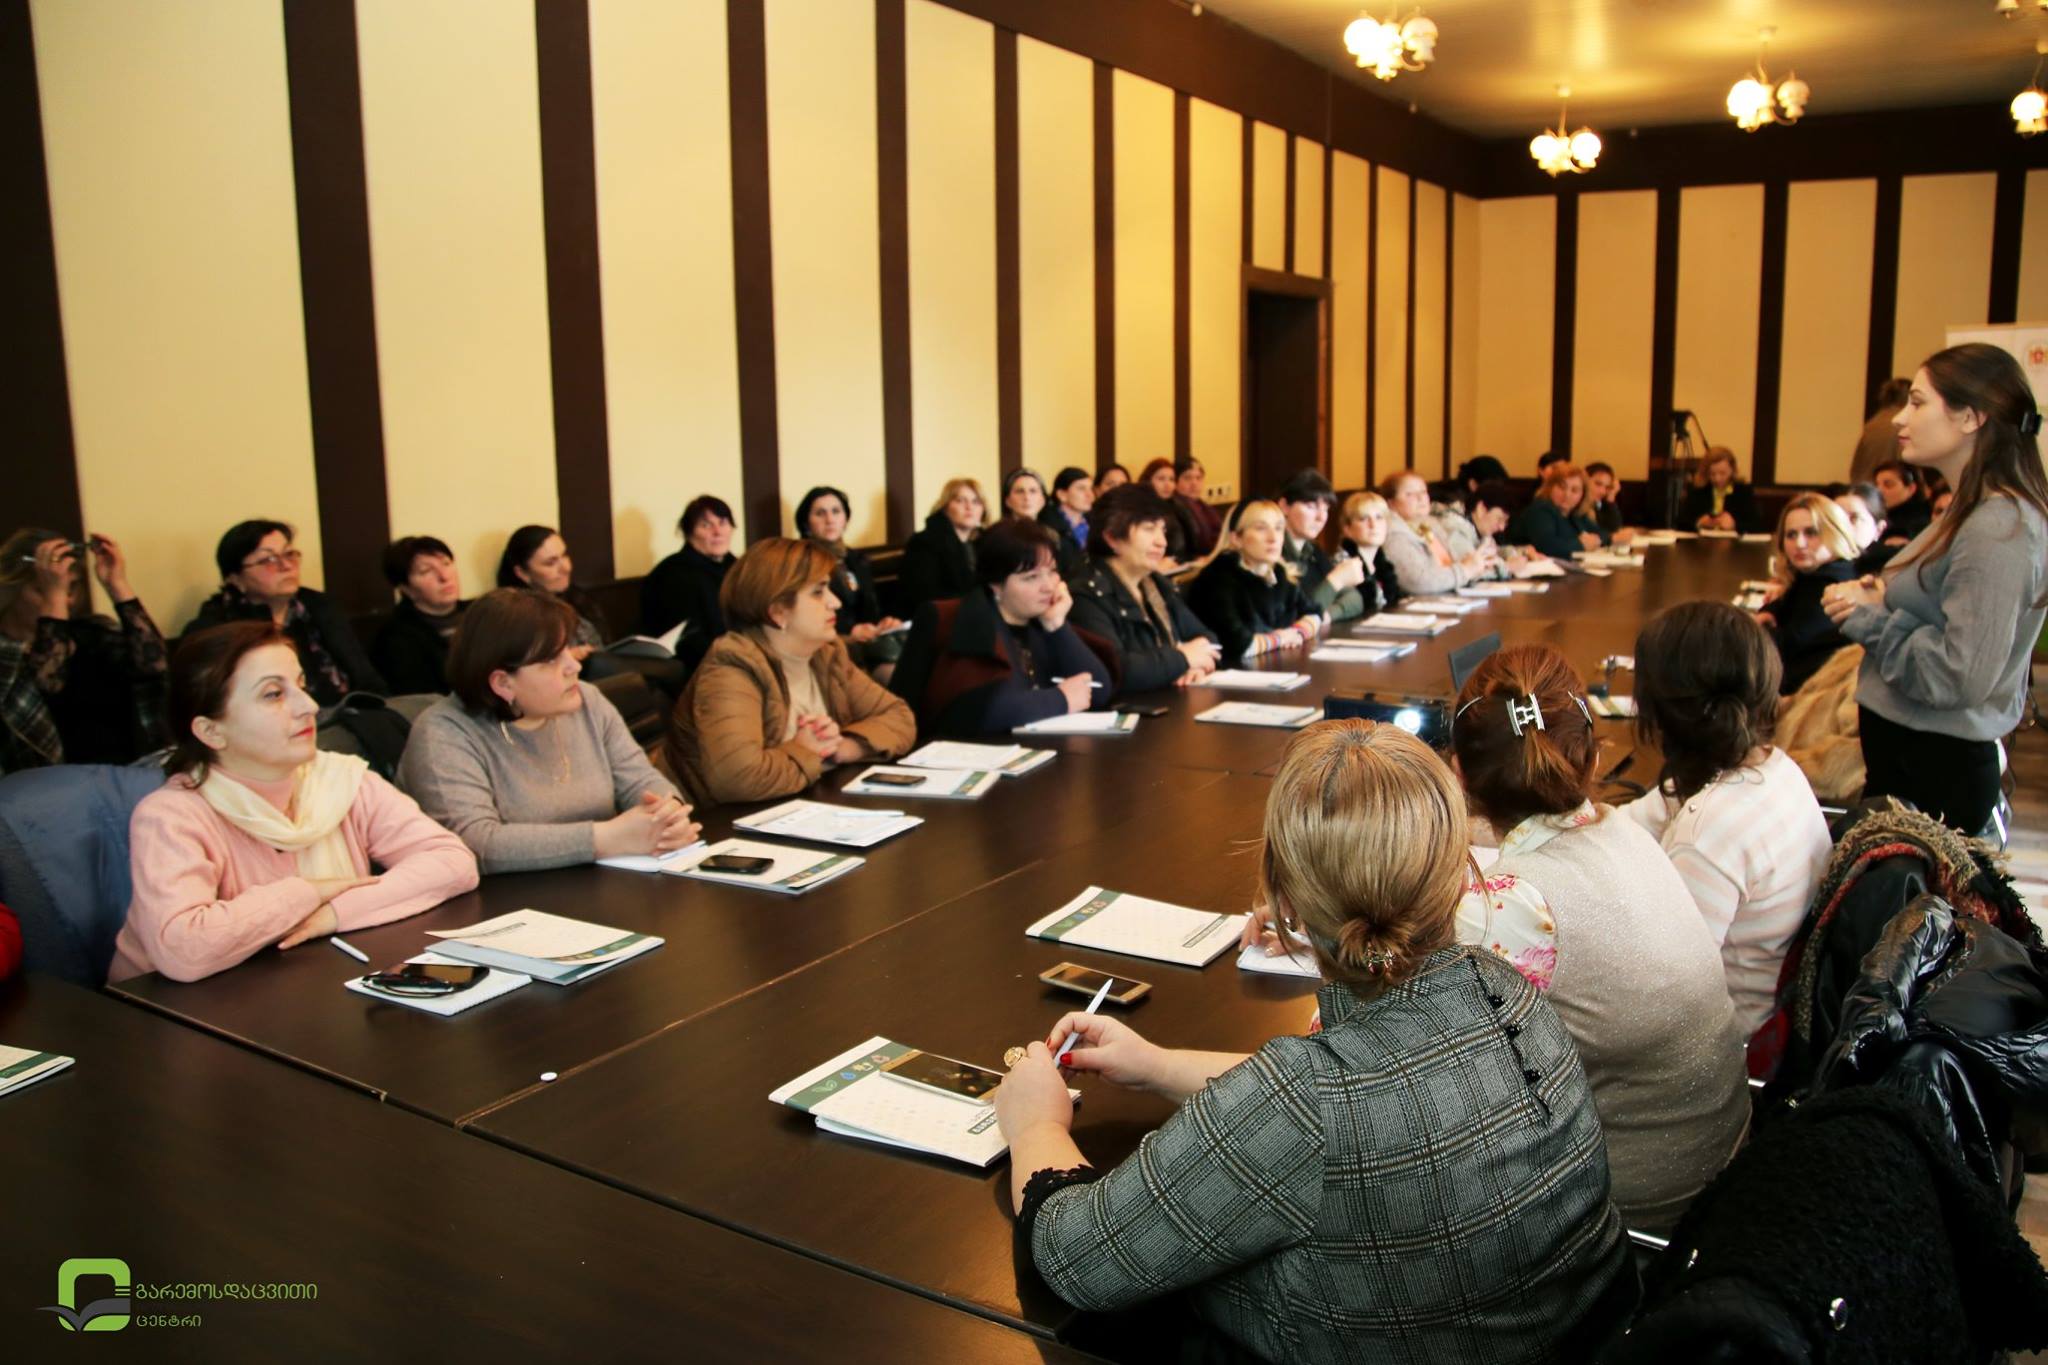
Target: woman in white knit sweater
point(1587, 906)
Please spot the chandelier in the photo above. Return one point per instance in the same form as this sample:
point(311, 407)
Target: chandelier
point(1390, 48)
point(1557, 151)
point(2030, 106)
point(1750, 99)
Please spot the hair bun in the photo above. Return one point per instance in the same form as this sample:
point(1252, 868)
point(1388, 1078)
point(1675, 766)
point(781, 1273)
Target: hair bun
point(1360, 948)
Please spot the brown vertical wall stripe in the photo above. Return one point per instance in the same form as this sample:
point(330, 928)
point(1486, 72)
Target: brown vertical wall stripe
point(1663, 328)
point(2008, 223)
point(1450, 317)
point(1564, 321)
point(1182, 446)
point(332, 199)
point(1326, 456)
point(568, 170)
point(753, 265)
point(1408, 359)
point(1770, 331)
point(892, 198)
point(1884, 286)
point(1009, 285)
point(43, 468)
point(1105, 265)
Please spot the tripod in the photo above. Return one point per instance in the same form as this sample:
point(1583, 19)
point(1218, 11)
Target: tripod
point(1682, 466)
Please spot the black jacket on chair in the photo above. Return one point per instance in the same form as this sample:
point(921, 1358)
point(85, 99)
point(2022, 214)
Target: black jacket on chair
point(937, 564)
point(684, 587)
point(1237, 604)
point(1381, 574)
point(1103, 606)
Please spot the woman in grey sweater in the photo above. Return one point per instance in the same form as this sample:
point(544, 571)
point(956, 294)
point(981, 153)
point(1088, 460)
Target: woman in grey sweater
point(1947, 632)
point(530, 766)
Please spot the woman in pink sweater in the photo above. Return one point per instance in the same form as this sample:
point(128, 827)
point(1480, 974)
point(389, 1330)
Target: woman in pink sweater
point(259, 837)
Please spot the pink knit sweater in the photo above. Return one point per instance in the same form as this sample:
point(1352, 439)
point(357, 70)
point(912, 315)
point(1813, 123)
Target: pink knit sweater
point(207, 895)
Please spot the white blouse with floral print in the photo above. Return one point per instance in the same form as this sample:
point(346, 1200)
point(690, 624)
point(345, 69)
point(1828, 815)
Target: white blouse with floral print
point(1509, 916)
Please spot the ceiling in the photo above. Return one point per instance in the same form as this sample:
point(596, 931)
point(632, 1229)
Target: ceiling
point(1639, 63)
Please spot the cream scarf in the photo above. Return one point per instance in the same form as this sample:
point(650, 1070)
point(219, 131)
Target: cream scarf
point(322, 793)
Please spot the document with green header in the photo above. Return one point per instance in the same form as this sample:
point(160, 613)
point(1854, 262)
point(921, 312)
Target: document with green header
point(23, 1066)
point(1117, 922)
point(553, 948)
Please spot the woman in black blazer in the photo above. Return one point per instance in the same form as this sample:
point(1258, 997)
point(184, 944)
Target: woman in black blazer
point(1720, 501)
point(684, 587)
point(1248, 595)
point(821, 518)
point(1120, 595)
point(1816, 548)
point(938, 562)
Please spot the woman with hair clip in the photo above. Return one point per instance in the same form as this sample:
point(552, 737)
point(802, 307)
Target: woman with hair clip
point(1947, 633)
point(1816, 549)
point(1422, 1178)
point(1587, 905)
point(1249, 595)
point(260, 837)
point(1736, 816)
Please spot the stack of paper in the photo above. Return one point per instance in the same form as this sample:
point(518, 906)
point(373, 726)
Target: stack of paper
point(1259, 713)
point(1526, 585)
point(1487, 590)
point(1453, 605)
point(494, 983)
point(554, 948)
point(856, 1094)
point(1596, 570)
point(960, 784)
point(1118, 923)
point(1251, 680)
point(1081, 723)
point(790, 871)
point(1535, 568)
point(820, 823)
point(1756, 537)
point(1609, 559)
point(1359, 651)
point(1407, 622)
point(1011, 760)
point(20, 1067)
point(1656, 537)
point(651, 862)
point(1720, 535)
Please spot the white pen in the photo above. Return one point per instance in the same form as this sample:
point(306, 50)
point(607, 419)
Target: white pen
point(1095, 683)
point(357, 953)
point(1074, 1035)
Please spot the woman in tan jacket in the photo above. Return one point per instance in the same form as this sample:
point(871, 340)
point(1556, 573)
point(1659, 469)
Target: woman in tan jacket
point(776, 700)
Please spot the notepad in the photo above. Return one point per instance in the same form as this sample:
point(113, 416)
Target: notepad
point(1612, 707)
point(855, 1095)
point(1596, 571)
point(1358, 652)
point(22, 1067)
point(1116, 922)
point(1720, 535)
point(1756, 537)
point(1258, 713)
point(1487, 590)
point(822, 823)
point(1081, 723)
point(1252, 680)
point(1608, 559)
point(650, 862)
point(959, 784)
point(1365, 644)
point(1011, 760)
point(1405, 622)
point(790, 871)
point(1657, 537)
point(662, 646)
point(1453, 605)
point(1535, 568)
point(1300, 962)
point(1526, 585)
point(493, 984)
point(553, 948)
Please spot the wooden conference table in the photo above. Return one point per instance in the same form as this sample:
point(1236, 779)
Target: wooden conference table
point(665, 1064)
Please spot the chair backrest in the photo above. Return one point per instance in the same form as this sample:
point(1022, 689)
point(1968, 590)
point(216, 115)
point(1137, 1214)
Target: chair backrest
point(644, 710)
point(64, 862)
point(370, 728)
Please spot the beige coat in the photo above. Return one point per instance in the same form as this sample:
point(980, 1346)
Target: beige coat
point(725, 739)
point(1818, 725)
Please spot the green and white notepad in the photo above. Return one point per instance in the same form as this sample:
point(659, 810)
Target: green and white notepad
point(1448, 604)
point(1360, 651)
point(790, 871)
point(1117, 922)
point(1253, 680)
point(20, 1067)
point(1261, 713)
point(1081, 723)
point(820, 822)
point(1011, 760)
point(956, 784)
point(552, 948)
point(1406, 622)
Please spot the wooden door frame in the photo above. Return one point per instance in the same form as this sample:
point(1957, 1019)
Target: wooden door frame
point(1297, 286)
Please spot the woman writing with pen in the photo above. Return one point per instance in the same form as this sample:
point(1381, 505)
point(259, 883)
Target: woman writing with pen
point(1293, 1202)
point(1004, 656)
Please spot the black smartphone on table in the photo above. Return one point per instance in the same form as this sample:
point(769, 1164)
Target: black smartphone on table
point(427, 978)
point(740, 864)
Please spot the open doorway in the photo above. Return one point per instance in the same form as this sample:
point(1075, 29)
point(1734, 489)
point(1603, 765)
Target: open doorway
point(1286, 343)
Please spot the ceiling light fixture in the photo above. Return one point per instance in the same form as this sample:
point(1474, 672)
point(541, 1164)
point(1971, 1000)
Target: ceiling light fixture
point(1557, 151)
point(1389, 48)
point(2010, 9)
point(2030, 106)
point(1750, 99)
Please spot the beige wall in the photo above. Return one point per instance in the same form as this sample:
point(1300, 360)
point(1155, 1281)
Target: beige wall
point(1056, 255)
point(1350, 189)
point(1269, 197)
point(1308, 207)
point(2033, 305)
point(1617, 283)
point(1944, 261)
point(1144, 270)
point(1430, 265)
point(1517, 278)
point(1720, 279)
point(664, 219)
point(1828, 252)
point(1215, 291)
point(183, 333)
point(1390, 327)
point(1464, 376)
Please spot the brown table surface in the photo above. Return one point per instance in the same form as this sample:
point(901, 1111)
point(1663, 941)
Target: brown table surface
point(721, 941)
point(197, 1161)
point(685, 1117)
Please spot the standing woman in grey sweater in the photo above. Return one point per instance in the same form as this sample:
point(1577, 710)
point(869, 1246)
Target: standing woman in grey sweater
point(531, 766)
point(1947, 632)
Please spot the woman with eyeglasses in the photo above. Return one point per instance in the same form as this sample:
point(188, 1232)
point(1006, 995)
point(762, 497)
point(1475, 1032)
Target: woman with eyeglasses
point(259, 581)
point(259, 837)
point(1004, 654)
point(1816, 550)
point(74, 687)
point(530, 765)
